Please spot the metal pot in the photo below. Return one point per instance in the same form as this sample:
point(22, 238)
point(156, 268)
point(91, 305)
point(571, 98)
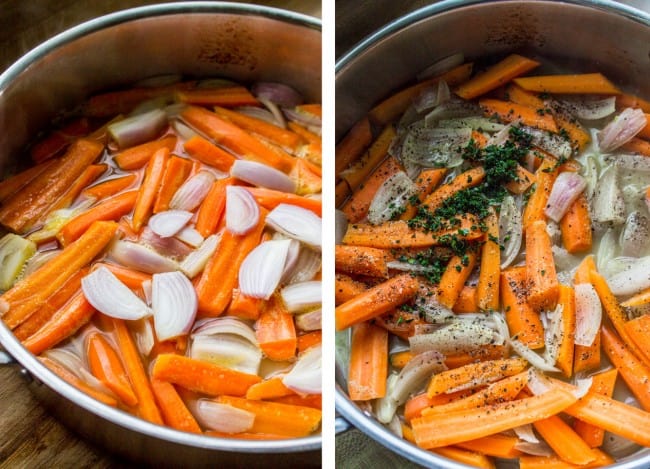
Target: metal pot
point(589, 35)
point(196, 39)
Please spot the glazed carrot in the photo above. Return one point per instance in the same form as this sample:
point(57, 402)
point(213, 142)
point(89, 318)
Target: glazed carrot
point(315, 401)
point(268, 389)
point(219, 277)
point(497, 75)
point(564, 360)
point(392, 107)
point(109, 209)
point(474, 375)
point(426, 182)
point(202, 376)
point(346, 288)
point(636, 145)
point(66, 375)
point(464, 425)
point(576, 227)
point(276, 332)
point(28, 294)
point(312, 150)
point(65, 322)
point(540, 267)
point(359, 171)
point(470, 178)
point(153, 176)
point(566, 443)
point(638, 330)
point(232, 96)
point(525, 179)
point(588, 83)
point(16, 182)
point(523, 322)
point(58, 140)
point(269, 199)
point(453, 279)
point(485, 353)
point(208, 153)
point(271, 417)
point(177, 171)
point(308, 340)
point(361, 260)
point(33, 201)
point(487, 289)
point(213, 207)
point(553, 462)
point(147, 407)
point(368, 366)
point(471, 458)
point(244, 306)
point(603, 383)
point(109, 187)
point(352, 145)
point(466, 301)
point(395, 234)
point(138, 156)
point(376, 300)
point(105, 364)
point(633, 371)
point(173, 409)
point(498, 446)
point(421, 402)
point(236, 139)
point(131, 278)
point(545, 177)
point(624, 100)
point(87, 177)
point(508, 111)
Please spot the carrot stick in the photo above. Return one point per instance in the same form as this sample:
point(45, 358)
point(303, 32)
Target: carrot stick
point(232, 96)
point(208, 153)
point(219, 276)
point(129, 277)
point(58, 140)
point(603, 383)
point(498, 446)
point(525, 179)
point(268, 389)
point(244, 306)
point(276, 332)
point(553, 462)
point(315, 401)
point(65, 322)
point(470, 178)
point(540, 268)
point(359, 171)
point(361, 260)
point(522, 321)
point(269, 199)
point(508, 111)
point(400, 359)
point(87, 177)
point(69, 377)
point(16, 182)
point(497, 75)
point(177, 171)
point(105, 364)
point(109, 187)
point(576, 227)
point(464, 456)
point(464, 425)
point(588, 83)
point(27, 295)
point(109, 209)
point(566, 443)
point(34, 200)
point(368, 362)
point(636, 145)
point(583, 271)
point(147, 408)
point(466, 302)
point(308, 340)
point(474, 375)
point(453, 279)
point(545, 177)
point(426, 182)
point(633, 371)
point(271, 417)
point(624, 100)
point(485, 353)
point(212, 209)
point(421, 402)
point(640, 300)
point(172, 407)
point(353, 144)
point(138, 156)
point(376, 300)
point(487, 289)
point(346, 288)
point(564, 361)
point(638, 330)
point(153, 176)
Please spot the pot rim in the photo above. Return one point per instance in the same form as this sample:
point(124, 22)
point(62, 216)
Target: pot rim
point(28, 361)
point(344, 405)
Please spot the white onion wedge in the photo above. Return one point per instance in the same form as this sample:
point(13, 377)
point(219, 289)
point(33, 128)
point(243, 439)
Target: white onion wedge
point(170, 247)
point(310, 321)
point(459, 336)
point(262, 269)
point(531, 357)
point(194, 263)
point(169, 222)
point(242, 210)
point(297, 223)
point(139, 128)
point(190, 236)
point(299, 297)
point(589, 107)
point(589, 313)
point(510, 230)
point(141, 258)
point(621, 129)
point(223, 417)
point(306, 266)
point(192, 192)
point(144, 338)
point(107, 294)
point(174, 303)
point(262, 175)
point(415, 373)
point(566, 189)
point(225, 325)
point(632, 280)
point(305, 376)
point(608, 205)
point(391, 198)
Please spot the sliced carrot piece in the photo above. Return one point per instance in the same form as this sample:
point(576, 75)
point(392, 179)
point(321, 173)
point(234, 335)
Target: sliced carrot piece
point(545, 176)
point(576, 227)
point(173, 408)
point(276, 331)
point(464, 456)
point(426, 182)
point(268, 389)
point(352, 145)
point(232, 96)
point(487, 289)
point(138, 156)
point(588, 83)
point(208, 153)
point(269, 199)
point(470, 178)
point(508, 111)
point(109, 187)
point(564, 361)
point(153, 176)
point(453, 279)
point(498, 446)
point(540, 268)
point(359, 171)
point(346, 288)
point(361, 260)
point(368, 362)
point(177, 170)
point(523, 322)
point(602, 383)
point(466, 302)
point(566, 443)
point(638, 330)
point(16, 182)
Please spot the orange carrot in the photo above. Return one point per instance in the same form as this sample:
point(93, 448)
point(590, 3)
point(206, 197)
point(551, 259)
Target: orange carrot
point(129, 277)
point(58, 140)
point(276, 332)
point(638, 330)
point(420, 402)
point(244, 306)
point(315, 401)
point(638, 301)
point(346, 288)
point(485, 353)
point(177, 170)
point(359, 171)
point(576, 227)
point(109, 209)
point(540, 267)
point(202, 376)
point(16, 182)
point(525, 179)
point(523, 322)
point(453, 279)
point(497, 75)
point(268, 389)
point(172, 407)
point(545, 177)
point(361, 260)
point(105, 364)
point(498, 446)
point(470, 178)
point(588, 83)
point(508, 111)
point(426, 182)
point(564, 361)
point(566, 443)
point(368, 362)
point(583, 271)
point(464, 456)
point(352, 145)
point(400, 359)
point(308, 340)
point(466, 302)
point(211, 210)
point(624, 100)
point(376, 300)
point(269, 199)
point(150, 185)
point(603, 383)
point(109, 187)
point(553, 462)
point(636, 145)
point(89, 174)
point(232, 96)
point(314, 148)
point(487, 289)
point(208, 153)
point(138, 156)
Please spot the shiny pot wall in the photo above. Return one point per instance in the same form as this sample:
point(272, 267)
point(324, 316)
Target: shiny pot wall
point(595, 35)
point(196, 39)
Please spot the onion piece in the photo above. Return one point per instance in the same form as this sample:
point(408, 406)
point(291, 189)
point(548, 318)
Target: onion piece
point(635, 235)
point(37, 260)
point(225, 325)
point(608, 205)
point(259, 113)
point(183, 130)
point(261, 271)
point(632, 280)
point(192, 192)
point(144, 338)
point(306, 375)
point(304, 118)
point(138, 129)
point(391, 198)
point(310, 321)
point(606, 250)
point(432, 147)
point(510, 230)
point(242, 210)
point(454, 107)
point(621, 129)
point(168, 247)
point(549, 142)
point(415, 373)
point(590, 173)
point(526, 433)
point(554, 330)
point(531, 357)
point(107, 294)
point(589, 107)
point(262, 175)
point(275, 111)
point(169, 222)
point(228, 351)
point(174, 304)
point(139, 257)
point(223, 417)
point(195, 262)
point(566, 189)
point(191, 236)
point(475, 123)
point(431, 97)
point(306, 266)
point(582, 387)
point(297, 223)
point(385, 407)
point(279, 93)
point(541, 448)
point(632, 162)
point(457, 337)
point(299, 297)
point(538, 383)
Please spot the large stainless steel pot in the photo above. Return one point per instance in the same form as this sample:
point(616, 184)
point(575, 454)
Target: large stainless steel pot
point(196, 39)
point(596, 35)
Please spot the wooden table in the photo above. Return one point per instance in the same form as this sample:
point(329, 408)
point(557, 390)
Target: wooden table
point(29, 436)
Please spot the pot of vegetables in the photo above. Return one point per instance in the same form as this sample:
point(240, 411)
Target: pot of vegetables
point(135, 197)
point(491, 255)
